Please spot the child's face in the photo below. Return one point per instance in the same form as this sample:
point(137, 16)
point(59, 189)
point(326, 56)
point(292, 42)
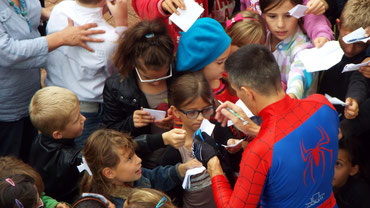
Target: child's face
point(193, 124)
point(128, 168)
point(214, 70)
point(75, 126)
point(353, 49)
point(343, 169)
point(279, 21)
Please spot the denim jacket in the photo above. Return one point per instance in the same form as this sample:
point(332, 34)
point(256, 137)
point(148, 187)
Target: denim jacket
point(163, 178)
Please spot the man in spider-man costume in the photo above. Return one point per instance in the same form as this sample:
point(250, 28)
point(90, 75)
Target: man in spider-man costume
point(291, 161)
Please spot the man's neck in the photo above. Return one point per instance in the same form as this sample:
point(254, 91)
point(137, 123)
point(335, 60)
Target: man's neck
point(265, 101)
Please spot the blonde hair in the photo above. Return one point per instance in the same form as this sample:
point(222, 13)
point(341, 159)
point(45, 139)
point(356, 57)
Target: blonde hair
point(248, 30)
point(51, 108)
point(12, 166)
point(148, 198)
point(355, 14)
point(100, 151)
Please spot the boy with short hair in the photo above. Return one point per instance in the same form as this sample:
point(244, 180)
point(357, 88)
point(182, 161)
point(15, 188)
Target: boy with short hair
point(81, 71)
point(350, 86)
point(55, 112)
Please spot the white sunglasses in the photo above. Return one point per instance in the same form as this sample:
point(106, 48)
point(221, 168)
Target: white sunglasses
point(154, 80)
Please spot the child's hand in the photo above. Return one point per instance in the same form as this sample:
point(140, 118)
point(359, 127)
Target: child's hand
point(235, 149)
point(320, 41)
point(62, 205)
point(223, 115)
point(316, 7)
point(142, 118)
point(175, 138)
point(188, 165)
point(365, 70)
point(166, 123)
point(118, 9)
point(171, 6)
point(351, 110)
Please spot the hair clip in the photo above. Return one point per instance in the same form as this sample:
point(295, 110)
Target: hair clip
point(84, 166)
point(161, 202)
point(19, 204)
point(237, 18)
point(10, 181)
point(149, 35)
point(97, 196)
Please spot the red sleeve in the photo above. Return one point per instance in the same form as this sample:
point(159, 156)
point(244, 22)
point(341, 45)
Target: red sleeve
point(255, 164)
point(148, 9)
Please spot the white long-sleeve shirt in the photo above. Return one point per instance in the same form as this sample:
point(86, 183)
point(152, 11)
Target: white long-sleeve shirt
point(76, 68)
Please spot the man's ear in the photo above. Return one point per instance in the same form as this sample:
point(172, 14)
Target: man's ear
point(354, 170)
point(108, 173)
point(57, 135)
point(338, 23)
point(249, 94)
point(175, 112)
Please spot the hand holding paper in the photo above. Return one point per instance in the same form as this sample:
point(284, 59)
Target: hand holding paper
point(354, 67)
point(157, 114)
point(358, 35)
point(335, 101)
point(298, 11)
point(187, 17)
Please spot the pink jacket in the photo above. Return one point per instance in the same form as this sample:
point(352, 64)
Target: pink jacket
point(315, 25)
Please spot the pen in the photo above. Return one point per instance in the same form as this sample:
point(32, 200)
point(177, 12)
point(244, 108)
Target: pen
point(235, 114)
point(356, 39)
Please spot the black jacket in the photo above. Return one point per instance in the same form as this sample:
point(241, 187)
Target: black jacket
point(56, 160)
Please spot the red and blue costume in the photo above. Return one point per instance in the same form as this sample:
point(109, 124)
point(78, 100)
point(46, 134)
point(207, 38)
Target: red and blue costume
point(291, 161)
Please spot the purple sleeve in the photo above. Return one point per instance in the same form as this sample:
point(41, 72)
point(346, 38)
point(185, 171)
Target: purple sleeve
point(317, 26)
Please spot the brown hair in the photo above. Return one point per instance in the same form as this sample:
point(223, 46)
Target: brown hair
point(355, 14)
point(148, 198)
point(51, 108)
point(11, 166)
point(188, 87)
point(247, 30)
point(145, 44)
point(100, 151)
point(267, 5)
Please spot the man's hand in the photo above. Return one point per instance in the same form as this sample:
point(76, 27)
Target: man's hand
point(351, 110)
point(316, 7)
point(175, 138)
point(171, 6)
point(204, 147)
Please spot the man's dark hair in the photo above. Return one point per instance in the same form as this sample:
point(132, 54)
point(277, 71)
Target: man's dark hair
point(254, 66)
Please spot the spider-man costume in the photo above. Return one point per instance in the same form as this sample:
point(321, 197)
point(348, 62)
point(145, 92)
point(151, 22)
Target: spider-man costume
point(291, 161)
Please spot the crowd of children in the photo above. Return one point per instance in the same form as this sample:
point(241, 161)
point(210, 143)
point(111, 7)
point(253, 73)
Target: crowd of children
point(87, 140)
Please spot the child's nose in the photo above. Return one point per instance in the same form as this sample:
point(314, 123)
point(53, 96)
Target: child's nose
point(200, 116)
point(280, 22)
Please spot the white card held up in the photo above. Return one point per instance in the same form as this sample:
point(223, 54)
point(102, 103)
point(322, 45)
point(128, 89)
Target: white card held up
point(298, 11)
point(189, 173)
point(234, 145)
point(207, 127)
point(358, 35)
point(157, 114)
point(188, 16)
point(354, 67)
point(335, 101)
point(319, 59)
point(244, 108)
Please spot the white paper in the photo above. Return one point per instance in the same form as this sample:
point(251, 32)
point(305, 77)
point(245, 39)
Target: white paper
point(354, 67)
point(318, 59)
point(246, 110)
point(207, 127)
point(157, 114)
point(335, 101)
point(356, 36)
point(234, 145)
point(298, 11)
point(189, 173)
point(188, 16)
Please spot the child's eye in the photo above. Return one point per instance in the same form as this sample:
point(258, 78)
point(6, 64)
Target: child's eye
point(338, 164)
point(271, 16)
point(288, 15)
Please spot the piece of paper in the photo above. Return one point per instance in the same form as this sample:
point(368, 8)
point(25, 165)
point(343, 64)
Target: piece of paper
point(354, 67)
point(189, 173)
point(319, 59)
point(356, 36)
point(335, 101)
point(246, 110)
point(157, 114)
point(298, 11)
point(188, 16)
point(207, 127)
point(234, 145)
